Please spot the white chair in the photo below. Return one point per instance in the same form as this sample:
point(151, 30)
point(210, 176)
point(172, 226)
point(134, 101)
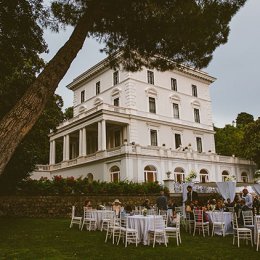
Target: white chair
point(199, 222)
point(113, 229)
point(74, 219)
point(175, 231)
point(218, 222)
point(164, 214)
point(248, 219)
point(241, 233)
point(180, 211)
point(189, 222)
point(88, 220)
point(257, 231)
point(157, 231)
point(151, 212)
point(128, 234)
point(107, 216)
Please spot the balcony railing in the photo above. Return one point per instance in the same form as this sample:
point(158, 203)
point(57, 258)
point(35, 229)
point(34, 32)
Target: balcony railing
point(146, 150)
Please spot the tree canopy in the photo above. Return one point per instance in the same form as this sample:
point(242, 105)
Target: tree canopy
point(152, 33)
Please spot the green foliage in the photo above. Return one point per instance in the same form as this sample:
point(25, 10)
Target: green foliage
point(148, 31)
point(70, 185)
point(68, 113)
point(243, 119)
point(251, 141)
point(228, 140)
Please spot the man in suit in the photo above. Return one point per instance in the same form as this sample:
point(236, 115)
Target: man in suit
point(161, 201)
point(191, 195)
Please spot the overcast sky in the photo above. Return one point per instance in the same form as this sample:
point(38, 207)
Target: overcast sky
point(235, 65)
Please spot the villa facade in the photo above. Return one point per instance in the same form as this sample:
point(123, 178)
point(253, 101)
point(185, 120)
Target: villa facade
point(139, 127)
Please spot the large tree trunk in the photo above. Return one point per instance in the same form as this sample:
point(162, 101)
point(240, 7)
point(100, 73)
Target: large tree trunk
point(17, 123)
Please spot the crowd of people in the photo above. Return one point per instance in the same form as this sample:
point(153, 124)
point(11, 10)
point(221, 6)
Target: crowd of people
point(242, 202)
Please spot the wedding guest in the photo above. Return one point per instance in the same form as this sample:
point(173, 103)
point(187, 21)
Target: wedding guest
point(256, 205)
point(219, 205)
point(191, 195)
point(116, 207)
point(172, 205)
point(88, 204)
point(248, 198)
point(146, 204)
point(161, 201)
point(229, 203)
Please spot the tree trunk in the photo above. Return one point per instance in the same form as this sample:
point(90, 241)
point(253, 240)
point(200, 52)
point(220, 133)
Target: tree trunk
point(18, 122)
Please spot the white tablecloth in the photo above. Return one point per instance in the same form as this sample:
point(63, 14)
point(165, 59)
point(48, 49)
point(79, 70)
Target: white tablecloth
point(142, 224)
point(99, 215)
point(227, 219)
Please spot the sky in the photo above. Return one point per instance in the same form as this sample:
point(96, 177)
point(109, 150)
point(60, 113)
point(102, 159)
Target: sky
point(234, 64)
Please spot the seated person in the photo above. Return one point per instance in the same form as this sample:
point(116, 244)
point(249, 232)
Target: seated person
point(242, 207)
point(146, 204)
point(128, 209)
point(212, 204)
point(172, 205)
point(229, 203)
point(219, 205)
point(116, 207)
point(88, 204)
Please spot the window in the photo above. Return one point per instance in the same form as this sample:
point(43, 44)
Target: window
point(115, 78)
point(244, 177)
point(97, 87)
point(176, 113)
point(152, 107)
point(82, 96)
point(173, 84)
point(177, 141)
point(150, 173)
point(196, 115)
point(153, 134)
point(204, 177)
point(150, 77)
point(194, 90)
point(199, 144)
point(179, 175)
point(117, 138)
point(116, 102)
point(115, 174)
point(225, 176)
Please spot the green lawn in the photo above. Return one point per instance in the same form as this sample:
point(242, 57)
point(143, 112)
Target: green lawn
point(31, 238)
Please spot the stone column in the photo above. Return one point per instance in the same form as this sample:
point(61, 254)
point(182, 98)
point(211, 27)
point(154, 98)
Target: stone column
point(103, 136)
point(67, 145)
point(52, 152)
point(84, 142)
point(80, 142)
point(64, 148)
point(99, 136)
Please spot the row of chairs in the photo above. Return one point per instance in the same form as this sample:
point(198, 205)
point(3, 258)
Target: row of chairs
point(119, 228)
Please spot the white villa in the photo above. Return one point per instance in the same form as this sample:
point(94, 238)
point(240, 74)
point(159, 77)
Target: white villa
point(139, 127)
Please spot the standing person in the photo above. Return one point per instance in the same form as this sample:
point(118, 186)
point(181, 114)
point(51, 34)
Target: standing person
point(248, 198)
point(191, 195)
point(161, 201)
point(256, 205)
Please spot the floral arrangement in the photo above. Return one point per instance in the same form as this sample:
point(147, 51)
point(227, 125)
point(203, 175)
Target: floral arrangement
point(144, 211)
point(192, 175)
point(230, 178)
point(168, 174)
point(257, 176)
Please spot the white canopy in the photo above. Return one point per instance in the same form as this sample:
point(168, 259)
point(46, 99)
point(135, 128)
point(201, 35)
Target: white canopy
point(227, 189)
point(256, 188)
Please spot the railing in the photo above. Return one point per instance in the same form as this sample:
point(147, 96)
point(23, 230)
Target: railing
point(146, 150)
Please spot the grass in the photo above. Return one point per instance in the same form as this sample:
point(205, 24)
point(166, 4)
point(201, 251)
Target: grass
point(35, 238)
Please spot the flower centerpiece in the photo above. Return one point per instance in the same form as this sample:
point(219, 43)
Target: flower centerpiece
point(257, 176)
point(230, 178)
point(144, 211)
point(192, 175)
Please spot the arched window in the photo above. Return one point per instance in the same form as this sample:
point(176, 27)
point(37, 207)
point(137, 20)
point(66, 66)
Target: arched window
point(115, 174)
point(179, 175)
point(225, 175)
point(204, 176)
point(244, 177)
point(90, 177)
point(150, 173)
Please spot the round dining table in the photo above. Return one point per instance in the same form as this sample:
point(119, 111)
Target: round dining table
point(142, 224)
point(99, 215)
point(227, 218)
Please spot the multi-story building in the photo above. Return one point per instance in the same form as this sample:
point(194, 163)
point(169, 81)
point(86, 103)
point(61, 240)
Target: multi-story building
point(139, 126)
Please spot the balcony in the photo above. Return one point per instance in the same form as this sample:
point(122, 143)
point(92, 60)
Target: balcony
point(145, 150)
